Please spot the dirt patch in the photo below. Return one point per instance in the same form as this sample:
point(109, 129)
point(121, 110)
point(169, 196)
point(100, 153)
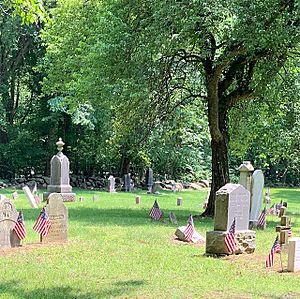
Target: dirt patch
point(176, 241)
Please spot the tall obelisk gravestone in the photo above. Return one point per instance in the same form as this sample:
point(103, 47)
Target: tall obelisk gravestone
point(60, 179)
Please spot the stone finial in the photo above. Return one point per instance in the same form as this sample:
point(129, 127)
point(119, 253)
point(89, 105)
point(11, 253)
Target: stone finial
point(246, 166)
point(60, 145)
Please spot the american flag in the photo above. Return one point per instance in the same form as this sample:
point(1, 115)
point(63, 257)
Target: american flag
point(261, 223)
point(278, 207)
point(42, 224)
point(19, 228)
point(189, 230)
point(289, 233)
point(230, 238)
point(37, 199)
point(271, 257)
point(270, 210)
point(155, 212)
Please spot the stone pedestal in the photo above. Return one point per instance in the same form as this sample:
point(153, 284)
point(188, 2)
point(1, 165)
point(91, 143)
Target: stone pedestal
point(179, 201)
point(60, 179)
point(215, 242)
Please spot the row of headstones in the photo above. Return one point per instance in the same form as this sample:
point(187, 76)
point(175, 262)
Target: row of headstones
point(56, 210)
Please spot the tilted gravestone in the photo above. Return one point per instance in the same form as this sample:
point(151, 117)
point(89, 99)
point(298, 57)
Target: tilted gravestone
point(58, 215)
point(8, 219)
point(59, 178)
point(30, 197)
point(294, 255)
point(232, 202)
point(256, 195)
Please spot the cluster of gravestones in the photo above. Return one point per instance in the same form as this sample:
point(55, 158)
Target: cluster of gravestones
point(243, 202)
point(58, 191)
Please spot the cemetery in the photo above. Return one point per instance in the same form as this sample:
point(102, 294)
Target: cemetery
point(149, 149)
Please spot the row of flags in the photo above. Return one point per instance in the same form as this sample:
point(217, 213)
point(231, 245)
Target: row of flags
point(41, 226)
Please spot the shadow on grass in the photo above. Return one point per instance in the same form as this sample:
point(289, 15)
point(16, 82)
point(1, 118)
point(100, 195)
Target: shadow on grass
point(118, 216)
point(120, 288)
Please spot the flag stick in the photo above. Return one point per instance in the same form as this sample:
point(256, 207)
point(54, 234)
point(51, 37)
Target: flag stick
point(281, 262)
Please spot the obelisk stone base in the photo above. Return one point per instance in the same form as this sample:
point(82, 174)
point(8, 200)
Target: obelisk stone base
point(215, 242)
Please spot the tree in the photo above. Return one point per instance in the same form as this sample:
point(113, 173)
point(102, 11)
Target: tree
point(152, 57)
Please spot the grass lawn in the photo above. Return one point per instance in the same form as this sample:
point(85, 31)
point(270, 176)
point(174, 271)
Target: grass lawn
point(116, 251)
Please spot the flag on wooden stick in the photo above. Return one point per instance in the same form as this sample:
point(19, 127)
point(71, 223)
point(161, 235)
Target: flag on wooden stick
point(19, 228)
point(155, 212)
point(43, 223)
point(230, 238)
point(190, 229)
point(271, 257)
point(261, 223)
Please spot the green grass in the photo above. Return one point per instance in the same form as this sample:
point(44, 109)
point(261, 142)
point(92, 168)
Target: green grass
point(116, 251)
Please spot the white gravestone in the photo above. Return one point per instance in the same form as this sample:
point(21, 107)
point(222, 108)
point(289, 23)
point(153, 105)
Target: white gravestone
point(294, 255)
point(30, 197)
point(257, 195)
point(111, 184)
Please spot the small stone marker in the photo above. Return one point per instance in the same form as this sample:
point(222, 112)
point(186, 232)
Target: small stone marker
point(256, 195)
point(111, 184)
point(15, 195)
point(138, 200)
point(294, 255)
point(172, 218)
point(196, 238)
point(179, 201)
point(8, 219)
point(284, 228)
point(58, 214)
point(81, 199)
point(60, 177)
point(30, 197)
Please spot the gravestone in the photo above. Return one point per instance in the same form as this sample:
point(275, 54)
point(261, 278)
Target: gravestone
point(60, 175)
point(294, 255)
point(111, 184)
point(172, 218)
point(149, 179)
point(246, 170)
point(284, 228)
point(232, 202)
point(127, 183)
point(179, 201)
point(256, 195)
point(30, 197)
point(138, 200)
point(8, 220)
point(58, 215)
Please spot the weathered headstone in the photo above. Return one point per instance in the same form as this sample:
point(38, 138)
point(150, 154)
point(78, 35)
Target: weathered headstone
point(127, 183)
point(60, 178)
point(111, 184)
point(232, 201)
point(179, 201)
point(138, 200)
point(294, 255)
point(58, 215)
point(246, 170)
point(256, 195)
point(149, 179)
point(172, 218)
point(284, 228)
point(196, 237)
point(8, 219)
point(30, 197)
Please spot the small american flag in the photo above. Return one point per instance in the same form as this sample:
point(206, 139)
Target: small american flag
point(155, 212)
point(37, 199)
point(190, 229)
point(289, 233)
point(271, 257)
point(230, 238)
point(19, 228)
point(42, 224)
point(261, 223)
point(270, 210)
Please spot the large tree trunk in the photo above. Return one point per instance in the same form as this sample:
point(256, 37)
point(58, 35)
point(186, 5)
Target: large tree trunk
point(220, 172)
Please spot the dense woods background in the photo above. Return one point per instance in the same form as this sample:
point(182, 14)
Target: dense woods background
point(122, 83)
